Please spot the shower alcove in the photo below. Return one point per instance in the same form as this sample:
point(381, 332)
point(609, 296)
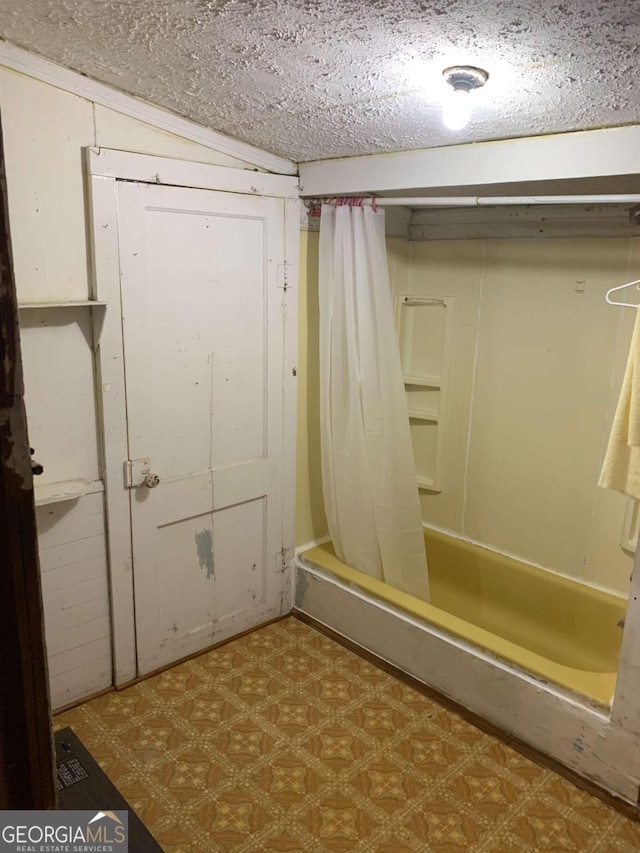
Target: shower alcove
point(512, 363)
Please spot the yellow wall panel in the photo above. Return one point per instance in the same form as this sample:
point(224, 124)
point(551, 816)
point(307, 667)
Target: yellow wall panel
point(542, 383)
point(311, 522)
point(535, 373)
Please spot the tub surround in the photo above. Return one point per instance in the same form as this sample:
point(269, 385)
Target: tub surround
point(522, 436)
point(555, 628)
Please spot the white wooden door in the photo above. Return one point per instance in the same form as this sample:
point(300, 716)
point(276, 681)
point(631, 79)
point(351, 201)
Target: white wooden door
point(203, 350)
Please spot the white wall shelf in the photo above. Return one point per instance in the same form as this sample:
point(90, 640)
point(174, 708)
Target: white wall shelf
point(90, 303)
point(96, 317)
point(67, 490)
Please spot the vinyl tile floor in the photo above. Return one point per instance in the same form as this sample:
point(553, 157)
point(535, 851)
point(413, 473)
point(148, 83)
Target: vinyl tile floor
point(282, 740)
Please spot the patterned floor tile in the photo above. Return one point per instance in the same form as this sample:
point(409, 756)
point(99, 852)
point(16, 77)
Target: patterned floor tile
point(285, 741)
point(624, 837)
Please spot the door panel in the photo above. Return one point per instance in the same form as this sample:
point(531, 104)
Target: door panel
point(239, 539)
point(202, 327)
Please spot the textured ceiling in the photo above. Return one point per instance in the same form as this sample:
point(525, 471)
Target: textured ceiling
point(310, 79)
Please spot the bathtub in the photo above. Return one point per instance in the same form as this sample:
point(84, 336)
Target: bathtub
point(557, 629)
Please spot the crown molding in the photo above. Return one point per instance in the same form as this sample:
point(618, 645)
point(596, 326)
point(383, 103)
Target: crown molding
point(17, 59)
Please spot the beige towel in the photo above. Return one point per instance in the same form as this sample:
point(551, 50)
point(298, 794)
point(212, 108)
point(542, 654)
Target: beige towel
point(621, 466)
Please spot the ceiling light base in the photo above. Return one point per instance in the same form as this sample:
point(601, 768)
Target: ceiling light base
point(465, 77)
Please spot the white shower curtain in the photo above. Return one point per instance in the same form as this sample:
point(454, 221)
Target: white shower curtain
point(368, 471)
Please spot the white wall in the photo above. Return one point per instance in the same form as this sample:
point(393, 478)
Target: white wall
point(45, 130)
point(73, 564)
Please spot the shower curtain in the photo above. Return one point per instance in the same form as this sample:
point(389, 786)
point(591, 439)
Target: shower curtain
point(368, 472)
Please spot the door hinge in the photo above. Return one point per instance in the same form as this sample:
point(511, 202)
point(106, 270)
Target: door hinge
point(135, 472)
point(283, 276)
point(284, 559)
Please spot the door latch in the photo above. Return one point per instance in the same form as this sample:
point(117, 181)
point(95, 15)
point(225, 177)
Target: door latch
point(137, 472)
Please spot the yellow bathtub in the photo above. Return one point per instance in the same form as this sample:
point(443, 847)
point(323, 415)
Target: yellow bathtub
point(560, 630)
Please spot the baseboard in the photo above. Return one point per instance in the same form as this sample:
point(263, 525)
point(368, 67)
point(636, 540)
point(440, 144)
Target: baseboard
point(168, 666)
point(83, 701)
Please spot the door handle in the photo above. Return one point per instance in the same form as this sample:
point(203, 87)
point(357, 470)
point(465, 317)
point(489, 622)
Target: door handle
point(137, 472)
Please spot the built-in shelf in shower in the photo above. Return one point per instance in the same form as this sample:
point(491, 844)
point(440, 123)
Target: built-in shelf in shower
point(423, 381)
point(427, 484)
point(425, 331)
point(423, 416)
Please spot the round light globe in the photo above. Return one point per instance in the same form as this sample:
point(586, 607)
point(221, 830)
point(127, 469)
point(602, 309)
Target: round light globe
point(456, 111)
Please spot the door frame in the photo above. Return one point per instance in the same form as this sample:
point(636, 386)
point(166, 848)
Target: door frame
point(27, 774)
point(104, 167)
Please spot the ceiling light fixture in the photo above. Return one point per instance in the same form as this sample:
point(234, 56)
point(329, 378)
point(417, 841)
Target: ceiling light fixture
point(456, 109)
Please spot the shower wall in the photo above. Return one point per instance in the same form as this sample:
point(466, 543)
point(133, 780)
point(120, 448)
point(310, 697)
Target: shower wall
point(536, 362)
point(311, 523)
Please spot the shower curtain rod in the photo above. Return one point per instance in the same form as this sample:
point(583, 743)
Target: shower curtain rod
point(494, 201)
